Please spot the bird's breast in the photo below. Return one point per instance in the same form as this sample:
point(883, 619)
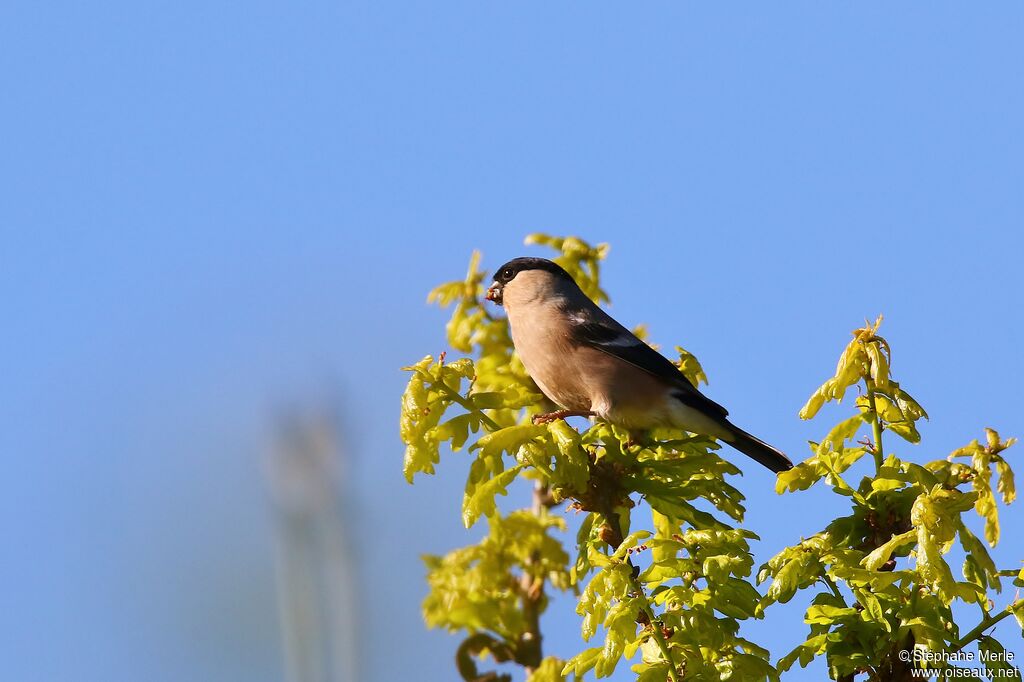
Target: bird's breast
point(549, 355)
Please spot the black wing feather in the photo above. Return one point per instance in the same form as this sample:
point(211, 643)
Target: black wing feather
point(595, 328)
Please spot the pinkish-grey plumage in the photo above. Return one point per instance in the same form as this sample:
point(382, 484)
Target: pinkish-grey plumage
point(586, 362)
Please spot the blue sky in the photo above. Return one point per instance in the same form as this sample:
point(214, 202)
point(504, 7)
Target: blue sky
point(212, 213)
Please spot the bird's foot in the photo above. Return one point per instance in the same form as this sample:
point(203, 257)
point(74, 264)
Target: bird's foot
point(638, 439)
point(560, 414)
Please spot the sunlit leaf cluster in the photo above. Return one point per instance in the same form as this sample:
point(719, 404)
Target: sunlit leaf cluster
point(883, 581)
point(482, 588)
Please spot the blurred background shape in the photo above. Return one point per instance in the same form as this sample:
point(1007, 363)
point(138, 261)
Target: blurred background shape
point(316, 573)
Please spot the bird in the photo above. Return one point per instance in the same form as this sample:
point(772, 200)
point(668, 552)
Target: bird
point(591, 366)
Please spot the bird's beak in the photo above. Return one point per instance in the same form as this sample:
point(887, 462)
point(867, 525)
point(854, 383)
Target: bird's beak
point(494, 293)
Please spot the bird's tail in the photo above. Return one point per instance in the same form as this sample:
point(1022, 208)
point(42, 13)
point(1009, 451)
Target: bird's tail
point(757, 449)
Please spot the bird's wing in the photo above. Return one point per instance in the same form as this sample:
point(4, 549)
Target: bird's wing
point(593, 327)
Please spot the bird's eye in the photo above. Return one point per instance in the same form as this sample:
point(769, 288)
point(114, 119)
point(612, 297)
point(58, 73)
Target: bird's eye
point(506, 274)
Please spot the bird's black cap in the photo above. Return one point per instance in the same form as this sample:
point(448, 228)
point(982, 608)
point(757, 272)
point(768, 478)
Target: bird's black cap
point(507, 272)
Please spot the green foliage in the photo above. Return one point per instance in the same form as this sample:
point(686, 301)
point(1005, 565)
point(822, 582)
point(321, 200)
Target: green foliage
point(674, 594)
point(470, 589)
point(671, 596)
point(884, 585)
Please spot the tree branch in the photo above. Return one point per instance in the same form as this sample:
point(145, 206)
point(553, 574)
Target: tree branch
point(612, 519)
point(530, 652)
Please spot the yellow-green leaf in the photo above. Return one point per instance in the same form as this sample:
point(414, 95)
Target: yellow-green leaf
point(881, 554)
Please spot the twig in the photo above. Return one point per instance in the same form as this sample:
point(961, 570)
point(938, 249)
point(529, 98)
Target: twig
point(457, 397)
point(876, 425)
point(985, 624)
point(832, 585)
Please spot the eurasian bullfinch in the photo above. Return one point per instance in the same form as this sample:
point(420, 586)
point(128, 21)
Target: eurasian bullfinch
point(591, 366)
